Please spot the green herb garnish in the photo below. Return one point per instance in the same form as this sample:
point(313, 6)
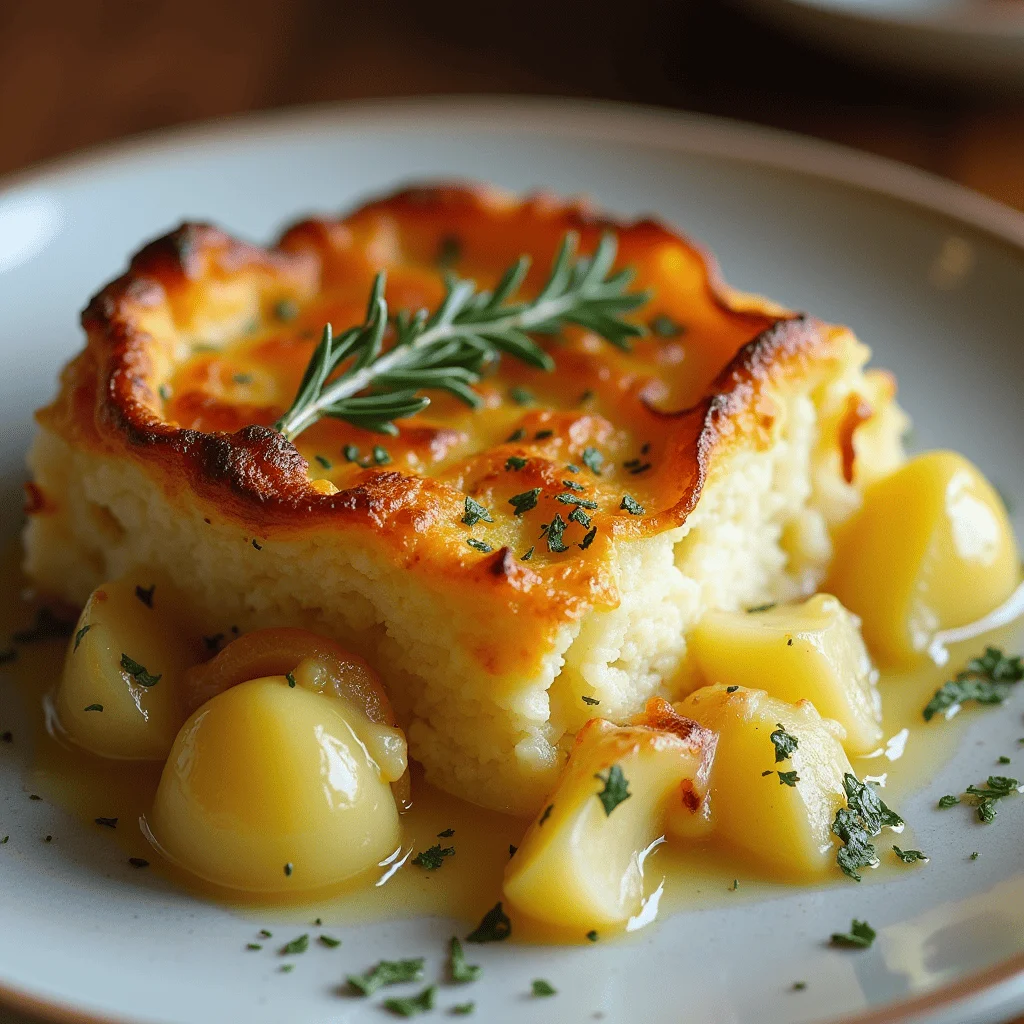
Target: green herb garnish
point(433, 857)
point(785, 743)
point(387, 972)
point(526, 501)
point(540, 987)
point(864, 817)
point(547, 814)
point(788, 779)
point(329, 941)
point(910, 856)
point(286, 309)
point(412, 1005)
point(631, 505)
point(78, 636)
point(494, 926)
point(588, 539)
point(574, 485)
point(592, 936)
point(323, 460)
point(554, 535)
point(515, 462)
point(446, 834)
point(351, 453)
point(462, 972)
point(520, 395)
point(299, 945)
point(616, 789)
point(475, 512)
point(480, 545)
point(529, 554)
point(94, 707)
point(463, 1009)
point(448, 349)
point(138, 672)
point(663, 326)
point(947, 801)
point(575, 499)
point(381, 456)
point(107, 822)
point(985, 680)
point(997, 787)
point(593, 460)
point(590, 700)
point(860, 936)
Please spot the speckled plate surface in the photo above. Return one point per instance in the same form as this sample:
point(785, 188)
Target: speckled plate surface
point(932, 277)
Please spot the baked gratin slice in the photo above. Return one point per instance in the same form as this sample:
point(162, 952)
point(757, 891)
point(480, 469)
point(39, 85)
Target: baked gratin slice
point(623, 494)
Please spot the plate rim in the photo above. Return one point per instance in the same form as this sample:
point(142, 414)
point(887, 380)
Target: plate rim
point(653, 127)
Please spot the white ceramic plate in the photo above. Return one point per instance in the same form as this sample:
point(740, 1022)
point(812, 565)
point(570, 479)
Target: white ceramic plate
point(978, 42)
point(931, 276)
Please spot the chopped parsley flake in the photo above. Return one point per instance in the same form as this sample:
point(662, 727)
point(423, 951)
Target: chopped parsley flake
point(138, 672)
point(997, 787)
point(512, 850)
point(573, 499)
point(323, 460)
point(731, 689)
point(577, 515)
point(5, 840)
point(298, 945)
point(253, 945)
point(592, 701)
point(517, 435)
point(387, 972)
point(350, 453)
point(766, 773)
point(412, 1005)
point(462, 972)
point(574, 485)
point(463, 1009)
point(761, 608)
point(107, 822)
point(520, 395)
point(910, 856)
point(593, 460)
point(515, 463)
point(588, 539)
point(475, 512)
point(864, 817)
point(329, 941)
point(446, 834)
point(541, 987)
point(788, 778)
point(164, 391)
point(947, 801)
point(547, 814)
point(526, 501)
point(94, 707)
point(286, 968)
point(291, 679)
point(528, 555)
point(433, 857)
point(616, 789)
point(640, 467)
point(79, 636)
point(138, 862)
point(860, 936)
point(480, 545)
point(289, 869)
point(571, 468)
point(241, 378)
point(785, 743)
point(631, 505)
point(554, 534)
point(663, 326)
point(286, 309)
point(1004, 759)
point(799, 986)
point(256, 544)
point(264, 934)
point(543, 435)
point(975, 855)
point(493, 927)
point(985, 680)
point(592, 936)
point(380, 455)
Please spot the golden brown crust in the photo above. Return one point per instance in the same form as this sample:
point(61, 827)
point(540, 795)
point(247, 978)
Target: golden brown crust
point(669, 408)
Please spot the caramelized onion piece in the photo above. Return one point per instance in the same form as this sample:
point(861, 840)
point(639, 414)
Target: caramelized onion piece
point(276, 652)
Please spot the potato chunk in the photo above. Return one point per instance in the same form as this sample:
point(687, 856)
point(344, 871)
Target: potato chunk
point(931, 549)
point(581, 862)
point(118, 695)
point(271, 787)
point(782, 819)
point(810, 651)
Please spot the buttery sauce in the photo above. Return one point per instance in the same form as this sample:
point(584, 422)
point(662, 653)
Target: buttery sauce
point(467, 884)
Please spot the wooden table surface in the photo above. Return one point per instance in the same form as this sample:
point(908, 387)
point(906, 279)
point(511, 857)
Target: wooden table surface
point(73, 74)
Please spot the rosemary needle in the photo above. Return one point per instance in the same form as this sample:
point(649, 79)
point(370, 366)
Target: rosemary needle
point(447, 350)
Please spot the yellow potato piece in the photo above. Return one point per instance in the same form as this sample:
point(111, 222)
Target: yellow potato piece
point(269, 788)
point(931, 549)
point(785, 829)
point(108, 708)
point(581, 866)
point(810, 651)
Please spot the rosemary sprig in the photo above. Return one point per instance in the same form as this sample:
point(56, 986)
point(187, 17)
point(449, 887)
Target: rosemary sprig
point(447, 350)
